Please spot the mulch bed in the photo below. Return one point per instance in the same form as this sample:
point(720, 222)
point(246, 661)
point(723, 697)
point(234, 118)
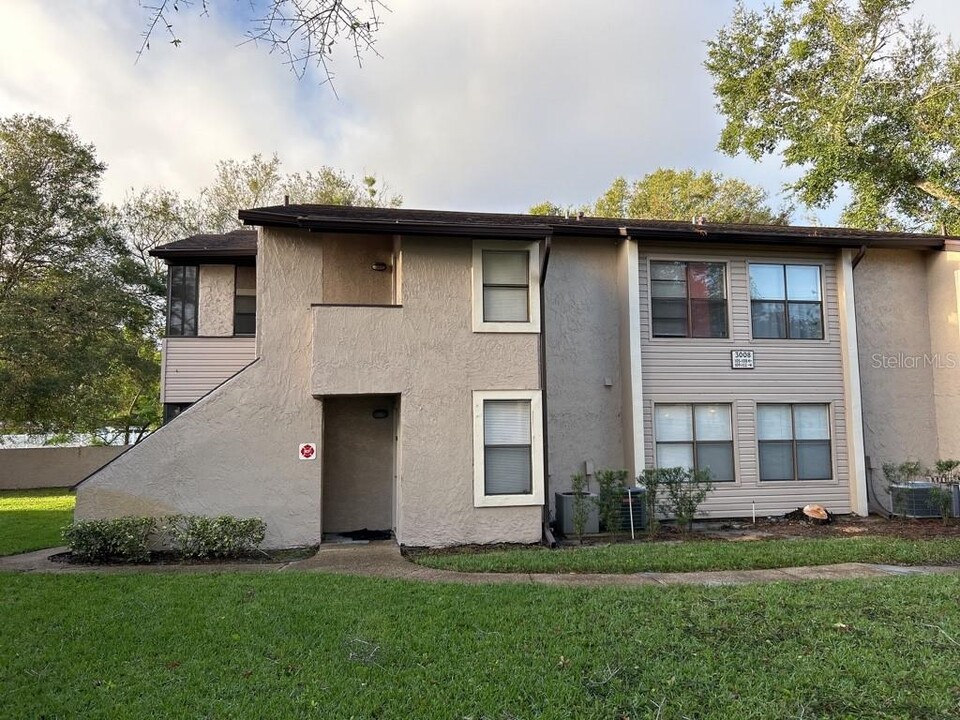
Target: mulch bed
point(265, 557)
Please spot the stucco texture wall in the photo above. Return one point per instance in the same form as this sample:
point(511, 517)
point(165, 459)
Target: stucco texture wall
point(25, 468)
point(235, 451)
point(943, 278)
point(427, 352)
point(215, 300)
point(894, 334)
point(583, 352)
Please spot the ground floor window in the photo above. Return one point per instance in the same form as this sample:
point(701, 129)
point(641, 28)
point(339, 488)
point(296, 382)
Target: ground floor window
point(171, 410)
point(508, 448)
point(697, 436)
point(794, 441)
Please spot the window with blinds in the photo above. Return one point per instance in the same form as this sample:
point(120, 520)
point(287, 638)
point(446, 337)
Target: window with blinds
point(507, 448)
point(507, 457)
point(506, 286)
point(794, 442)
point(698, 436)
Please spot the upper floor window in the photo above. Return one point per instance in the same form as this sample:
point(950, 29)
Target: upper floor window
point(699, 437)
point(245, 301)
point(505, 287)
point(786, 301)
point(688, 299)
point(794, 442)
point(182, 300)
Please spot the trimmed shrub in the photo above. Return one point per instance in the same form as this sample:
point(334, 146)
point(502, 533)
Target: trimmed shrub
point(201, 537)
point(124, 539)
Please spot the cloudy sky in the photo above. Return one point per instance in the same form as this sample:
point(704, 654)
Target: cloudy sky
point(490, 105)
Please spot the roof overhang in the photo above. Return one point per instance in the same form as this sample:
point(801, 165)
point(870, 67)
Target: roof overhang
point(321, 223)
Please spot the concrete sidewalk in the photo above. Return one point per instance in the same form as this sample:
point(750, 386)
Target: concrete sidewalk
point(383, 560)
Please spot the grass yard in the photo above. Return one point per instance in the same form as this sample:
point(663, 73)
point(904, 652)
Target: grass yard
point(310, 645)
point(696, 555)
point(31, 519)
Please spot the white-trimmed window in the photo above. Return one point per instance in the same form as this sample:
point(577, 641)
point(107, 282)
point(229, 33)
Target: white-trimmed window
point(794, 442)
point(506, 287)
point(507, 448)
point(698, 437)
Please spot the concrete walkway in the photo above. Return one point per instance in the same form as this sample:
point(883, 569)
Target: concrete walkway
point(383, 560)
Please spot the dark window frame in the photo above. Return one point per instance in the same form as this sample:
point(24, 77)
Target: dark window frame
point(183, 330)
point(787, 302)
point(690, 302)
point(693, 435)
point(173, 410)
point(237, 313)
point(484, 284)
point(528, 446)
point(795, 444)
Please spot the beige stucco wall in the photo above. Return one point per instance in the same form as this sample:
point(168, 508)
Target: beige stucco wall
point(357, 463)
point(943, 284)
point(348, 276)
point(215, 300)
point(235, 451)
point(24, 468)
point(427, 352)
point(583, 353)
point(894, 333)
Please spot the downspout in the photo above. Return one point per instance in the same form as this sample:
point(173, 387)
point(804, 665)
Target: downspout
point(548, 538)
point(873, 502)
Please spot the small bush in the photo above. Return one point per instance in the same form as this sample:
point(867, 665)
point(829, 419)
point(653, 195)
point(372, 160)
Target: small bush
point(581, 504)
point(651, 480)
point(685, 490)
point(201, 537)
point(945, 467)
point(610, 489)
point(125, 539)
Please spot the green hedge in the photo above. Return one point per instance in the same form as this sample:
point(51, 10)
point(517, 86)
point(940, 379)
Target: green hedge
point(128, 539)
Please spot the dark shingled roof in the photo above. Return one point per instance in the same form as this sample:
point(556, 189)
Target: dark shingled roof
point(236, 243)
point(337, 218)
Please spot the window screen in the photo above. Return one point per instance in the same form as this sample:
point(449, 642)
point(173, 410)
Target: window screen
point(245, 301)
point(506, 286)
point(507, 459)
point(698, 436)
point(794, 442)
point(688, 299)
point(182, 300)
point(786, 301)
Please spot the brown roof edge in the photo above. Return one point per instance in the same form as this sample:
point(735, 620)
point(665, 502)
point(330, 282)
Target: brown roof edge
point(817, 237)
point(314, 223)
point(503, 225)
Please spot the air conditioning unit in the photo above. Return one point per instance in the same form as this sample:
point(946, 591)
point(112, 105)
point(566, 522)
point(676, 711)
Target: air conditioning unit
point(918, 499)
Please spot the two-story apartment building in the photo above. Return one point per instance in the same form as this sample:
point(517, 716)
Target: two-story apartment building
point(440, 374)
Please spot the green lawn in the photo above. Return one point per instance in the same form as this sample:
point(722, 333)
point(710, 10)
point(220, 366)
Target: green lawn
point(306, 645)
point(702, 555)
point(31, 519)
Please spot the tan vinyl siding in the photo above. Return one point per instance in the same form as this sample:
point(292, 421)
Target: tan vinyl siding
point(680, 370)
point(193, 366)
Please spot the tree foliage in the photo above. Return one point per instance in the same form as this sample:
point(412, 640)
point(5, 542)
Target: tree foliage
point(74, 321)
point(155, 216)
point(668, 194)
point(855, 95)
point(302, 32)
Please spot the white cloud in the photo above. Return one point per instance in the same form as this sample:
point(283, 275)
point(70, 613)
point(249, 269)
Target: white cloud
point(482, 106)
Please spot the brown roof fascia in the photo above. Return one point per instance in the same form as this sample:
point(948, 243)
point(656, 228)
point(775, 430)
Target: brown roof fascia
point(319, 223)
